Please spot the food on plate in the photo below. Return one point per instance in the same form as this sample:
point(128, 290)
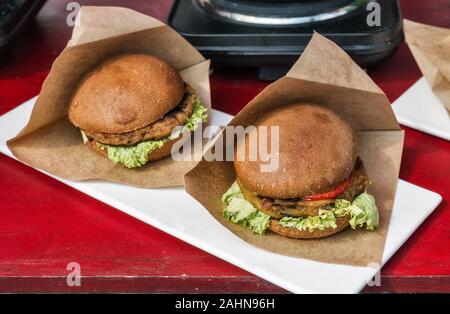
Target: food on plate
point(128, 106)
point(319, 186)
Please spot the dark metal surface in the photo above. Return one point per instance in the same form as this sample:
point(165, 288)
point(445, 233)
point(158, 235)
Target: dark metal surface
point(228, 43)
point(15, 16)
point(277, 13)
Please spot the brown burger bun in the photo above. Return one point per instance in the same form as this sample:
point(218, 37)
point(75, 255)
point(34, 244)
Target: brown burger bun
point(157, 130)
point(126, 93)
point(317, 151)
point(341, 223)
point(157, 154)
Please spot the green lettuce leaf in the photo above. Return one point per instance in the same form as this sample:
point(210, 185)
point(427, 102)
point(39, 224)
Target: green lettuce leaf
point(364, 211)
point(137, 155)
point(324, 220)
point(233, 192)
point(240, 211)
point(259, 222)
point(341, 207)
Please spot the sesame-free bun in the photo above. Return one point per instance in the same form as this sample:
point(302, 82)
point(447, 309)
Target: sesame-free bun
point(317, 151)
point(155, 155)
point(341, 224)
point(125, 93)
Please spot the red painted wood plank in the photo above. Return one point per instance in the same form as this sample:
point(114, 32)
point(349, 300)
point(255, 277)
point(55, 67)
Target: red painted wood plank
point(44, 224)
point(202, 284)
point(411, 284)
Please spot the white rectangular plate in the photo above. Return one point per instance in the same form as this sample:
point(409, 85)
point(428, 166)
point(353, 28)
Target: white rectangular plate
point(412, 205)
point(420, 109)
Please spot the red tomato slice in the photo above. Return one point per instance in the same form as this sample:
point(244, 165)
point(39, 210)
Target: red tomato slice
point(332, 194)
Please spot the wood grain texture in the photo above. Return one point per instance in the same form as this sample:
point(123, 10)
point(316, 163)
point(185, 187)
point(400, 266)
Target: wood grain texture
point(45, 224)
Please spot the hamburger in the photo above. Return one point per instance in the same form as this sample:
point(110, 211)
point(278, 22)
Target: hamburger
point(319, 186)
point(128, 107)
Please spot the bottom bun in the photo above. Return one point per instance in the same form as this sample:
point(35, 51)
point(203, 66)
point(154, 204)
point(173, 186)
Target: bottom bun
point(157, 154)
point(341, 223)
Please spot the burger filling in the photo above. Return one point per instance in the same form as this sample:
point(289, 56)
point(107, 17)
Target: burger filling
point(356, 184)
point(354, 202)
point(155, 135)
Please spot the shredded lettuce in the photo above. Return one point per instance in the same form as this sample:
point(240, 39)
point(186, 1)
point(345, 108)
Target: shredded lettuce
point(362, 211)
point(137, 155)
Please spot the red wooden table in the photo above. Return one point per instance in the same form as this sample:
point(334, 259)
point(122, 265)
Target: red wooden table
point(44, 224)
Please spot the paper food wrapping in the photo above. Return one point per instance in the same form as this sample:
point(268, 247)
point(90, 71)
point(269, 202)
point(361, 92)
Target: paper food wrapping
point(51, 143)
point(325, 75)
point(430, 47)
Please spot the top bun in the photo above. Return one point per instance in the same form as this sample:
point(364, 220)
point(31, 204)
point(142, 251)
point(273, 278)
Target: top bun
point(126, 93)
point(317, 151)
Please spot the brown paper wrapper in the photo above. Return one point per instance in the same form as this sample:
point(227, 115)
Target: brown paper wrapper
point(326, 75)
point(51, 143)
point(430, 47)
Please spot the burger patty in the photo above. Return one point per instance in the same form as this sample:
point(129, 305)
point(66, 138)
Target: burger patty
point(159, 129)
point(279, 208)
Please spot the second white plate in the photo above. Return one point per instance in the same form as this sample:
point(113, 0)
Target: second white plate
point(420, 109)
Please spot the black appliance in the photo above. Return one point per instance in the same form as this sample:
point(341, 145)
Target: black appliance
point(270, 34)
point(14, 16)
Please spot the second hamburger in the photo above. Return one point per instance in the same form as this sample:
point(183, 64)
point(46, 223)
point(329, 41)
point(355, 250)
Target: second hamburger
point(319, 186)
